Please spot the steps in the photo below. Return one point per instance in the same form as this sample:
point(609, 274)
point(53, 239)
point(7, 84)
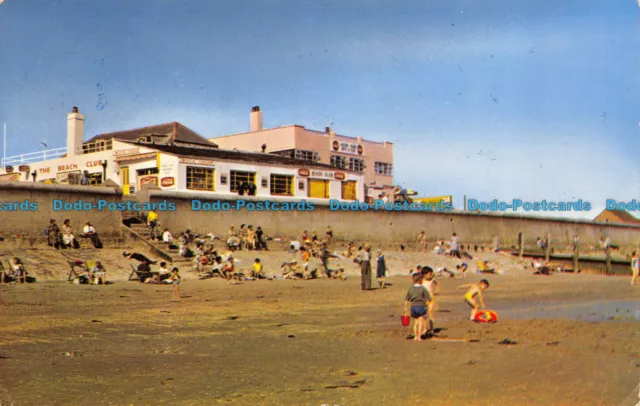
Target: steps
point(138, 228)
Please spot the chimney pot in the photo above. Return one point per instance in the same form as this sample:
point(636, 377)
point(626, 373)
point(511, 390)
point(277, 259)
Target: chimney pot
point(327, 130)
point(255, 119)
point(74, 110)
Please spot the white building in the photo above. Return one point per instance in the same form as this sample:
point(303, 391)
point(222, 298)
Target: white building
point(175, 158)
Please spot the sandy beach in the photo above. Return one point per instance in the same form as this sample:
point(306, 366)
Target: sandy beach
point(318, 342)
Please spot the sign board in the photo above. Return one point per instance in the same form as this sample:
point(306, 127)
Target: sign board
point(434, 200)
point(168, 181)
point(322, 174)
point(347, 148)
point(147, 180)
point(196, 161)
point(135, 157)
point(339, 176)
point(303, 172)
point(23, 168)
point(124, 152)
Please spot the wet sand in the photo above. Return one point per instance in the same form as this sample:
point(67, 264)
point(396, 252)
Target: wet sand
point(313, 342)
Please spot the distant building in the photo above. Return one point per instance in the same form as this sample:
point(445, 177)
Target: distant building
point(615, 216)
point(371, 158)
point(173, 157)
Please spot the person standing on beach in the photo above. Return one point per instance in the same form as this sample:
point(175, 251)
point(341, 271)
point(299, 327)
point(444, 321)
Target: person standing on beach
point(455, 246)
point(635, 267)
point(381, 269)
point(365, 267)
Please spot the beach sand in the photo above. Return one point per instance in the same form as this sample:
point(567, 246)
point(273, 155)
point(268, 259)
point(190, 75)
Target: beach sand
point(316, 342)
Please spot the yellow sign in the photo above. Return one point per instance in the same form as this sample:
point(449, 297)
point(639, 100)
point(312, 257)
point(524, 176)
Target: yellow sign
point(434, 200)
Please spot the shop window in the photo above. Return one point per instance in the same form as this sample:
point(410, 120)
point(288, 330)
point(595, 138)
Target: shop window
point(349, 190)
point(238, 178)
point(319, 188)
point(200, 178)
point(384, 168)
point(281, 185)
point(148, 171)
point(338, 161)
point(95, 179)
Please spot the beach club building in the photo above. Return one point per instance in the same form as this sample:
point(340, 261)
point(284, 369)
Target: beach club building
point(372, 159)
point(173, 157)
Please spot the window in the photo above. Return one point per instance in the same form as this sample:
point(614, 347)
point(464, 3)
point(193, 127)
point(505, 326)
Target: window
point(149, 171)
point(281, 185)
point(349, 190)
point(95, 179)
point(356, 164)
point(200, 178)
point(384, 168)
point(239, 177)
point(338, 161)
point(307, 155)
point(319, 188)
point(299, 154)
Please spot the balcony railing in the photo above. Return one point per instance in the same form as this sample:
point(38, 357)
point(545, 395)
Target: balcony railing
point(33, 157)
point(40, 156)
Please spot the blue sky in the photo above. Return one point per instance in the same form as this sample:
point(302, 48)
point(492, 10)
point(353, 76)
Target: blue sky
point(493, 99)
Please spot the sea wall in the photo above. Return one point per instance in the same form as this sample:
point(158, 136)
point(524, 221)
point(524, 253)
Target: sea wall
point(33, 205)
point(386, 226)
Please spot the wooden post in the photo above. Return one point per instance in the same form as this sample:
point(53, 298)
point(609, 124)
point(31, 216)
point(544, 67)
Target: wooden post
point(576, 253)
point(547, 250)
point(607, 260)
point(521, 244)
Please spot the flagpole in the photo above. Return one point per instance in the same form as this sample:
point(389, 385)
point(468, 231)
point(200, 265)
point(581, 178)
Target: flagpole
point(4, 148)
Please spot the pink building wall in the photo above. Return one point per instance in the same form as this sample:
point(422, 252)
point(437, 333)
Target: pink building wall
point(298, 137)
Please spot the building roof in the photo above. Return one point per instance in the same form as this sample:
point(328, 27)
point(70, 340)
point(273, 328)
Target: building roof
point(617, 216)
point(161, 133)
point(225, 154)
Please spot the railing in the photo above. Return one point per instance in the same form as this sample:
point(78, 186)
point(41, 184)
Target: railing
point(87, 148)
point(34, 157)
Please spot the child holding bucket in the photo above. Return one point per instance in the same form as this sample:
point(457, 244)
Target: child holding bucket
point(416, 305)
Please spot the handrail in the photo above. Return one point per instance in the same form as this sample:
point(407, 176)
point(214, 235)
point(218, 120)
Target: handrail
point(34, 156)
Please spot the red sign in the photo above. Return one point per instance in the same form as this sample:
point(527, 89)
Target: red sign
point(23, 168)
point(168, 181)
point(303, 172)
point(340, 176)
point(335, 145)
point(360, 150)
point(148, 180)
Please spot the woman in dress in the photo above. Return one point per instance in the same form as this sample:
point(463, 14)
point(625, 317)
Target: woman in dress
point(381, 270)
point(68, 239)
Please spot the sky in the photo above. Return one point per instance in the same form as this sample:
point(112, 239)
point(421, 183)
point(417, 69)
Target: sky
point(498, 99)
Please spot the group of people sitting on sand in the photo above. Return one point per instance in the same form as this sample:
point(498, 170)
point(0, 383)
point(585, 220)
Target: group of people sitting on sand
point(246, 238)
point(65, 237)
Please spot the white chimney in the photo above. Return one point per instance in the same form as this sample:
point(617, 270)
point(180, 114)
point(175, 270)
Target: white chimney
point(75, 132)
point(256, 119)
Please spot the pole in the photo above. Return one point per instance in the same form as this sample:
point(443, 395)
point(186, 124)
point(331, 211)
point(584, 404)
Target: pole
point(576, 254)
point(521, 244)
point(4, 148)
point(547, 251)
point(607, 261)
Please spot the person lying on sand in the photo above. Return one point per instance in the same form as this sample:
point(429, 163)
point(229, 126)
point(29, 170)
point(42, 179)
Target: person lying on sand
point(475, 290)
point(291, 270)
point(138, 257)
